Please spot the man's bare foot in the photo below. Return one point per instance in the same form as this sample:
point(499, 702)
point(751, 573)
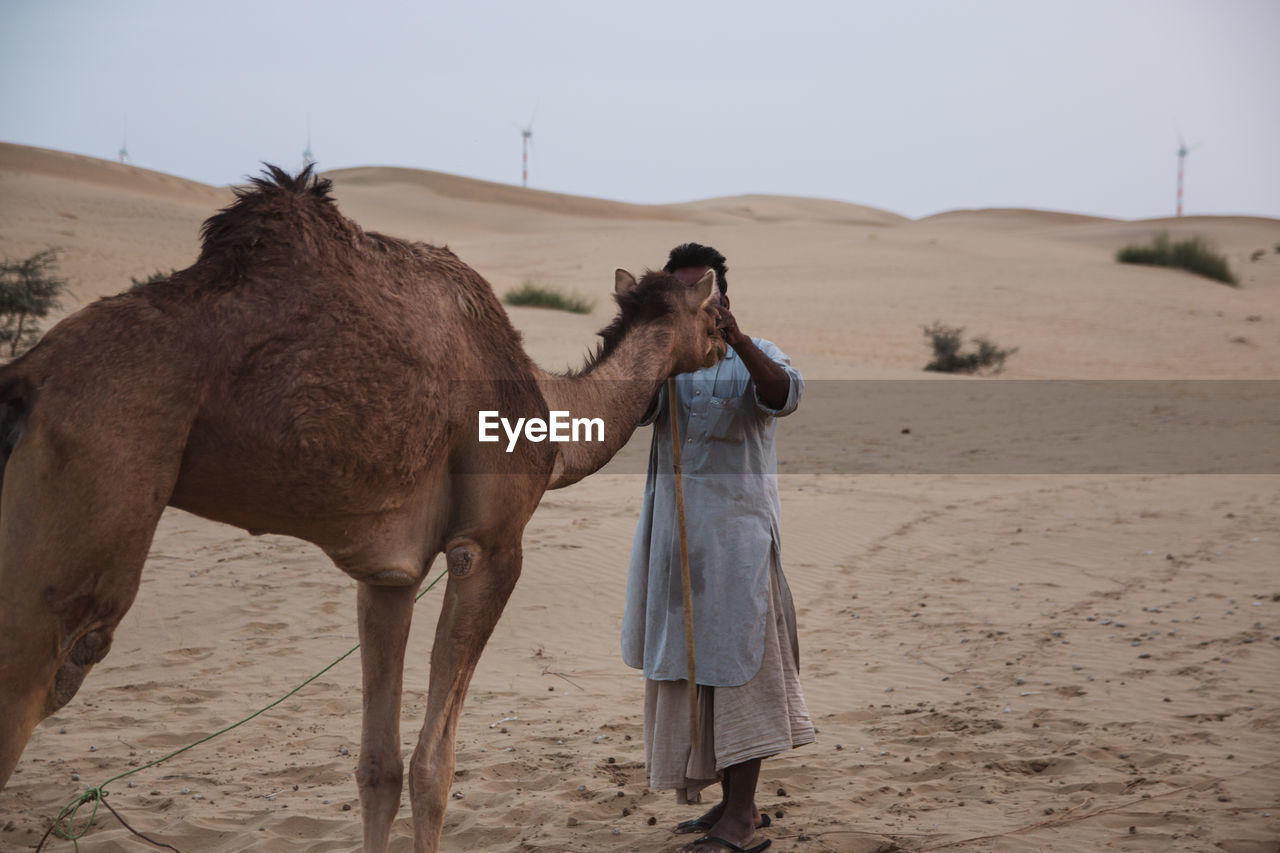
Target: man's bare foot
point(708, 820)
point(719, 845)
point(727, 835)
point(735, 818)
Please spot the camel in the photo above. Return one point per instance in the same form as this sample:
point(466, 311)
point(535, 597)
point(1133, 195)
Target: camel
point(305, 377)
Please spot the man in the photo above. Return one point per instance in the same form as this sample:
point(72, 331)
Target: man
point(750, 705)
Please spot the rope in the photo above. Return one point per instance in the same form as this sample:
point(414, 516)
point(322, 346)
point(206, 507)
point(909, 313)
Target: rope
point(64, 824)
point(673, 414)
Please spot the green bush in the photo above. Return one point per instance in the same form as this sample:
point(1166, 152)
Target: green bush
point(533, 295)
point(1193, 254)
point(947, 358)
point(29, 290)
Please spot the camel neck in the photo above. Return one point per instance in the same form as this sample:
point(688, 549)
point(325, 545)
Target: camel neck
point(618, 388)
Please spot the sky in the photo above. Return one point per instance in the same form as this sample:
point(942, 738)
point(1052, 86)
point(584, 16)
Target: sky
point(915, 106)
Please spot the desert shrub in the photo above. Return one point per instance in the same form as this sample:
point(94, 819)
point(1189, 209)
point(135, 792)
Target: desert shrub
point(534, 295)
point(947, 342)
point(158, 275)
point(29, 290)
point(1193, 254)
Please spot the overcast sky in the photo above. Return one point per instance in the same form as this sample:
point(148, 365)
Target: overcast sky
point(916, 106)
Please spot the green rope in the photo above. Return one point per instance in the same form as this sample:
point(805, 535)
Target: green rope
point(64, 823)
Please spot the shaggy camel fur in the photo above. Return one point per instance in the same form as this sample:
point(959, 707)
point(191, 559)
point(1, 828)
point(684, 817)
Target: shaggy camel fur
point(305, 378)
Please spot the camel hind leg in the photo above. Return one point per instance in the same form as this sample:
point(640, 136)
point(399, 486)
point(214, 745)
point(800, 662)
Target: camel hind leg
point(385, 616)
point(78, 509)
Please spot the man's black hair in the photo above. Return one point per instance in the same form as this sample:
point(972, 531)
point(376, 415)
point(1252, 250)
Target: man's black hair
point(697, 255)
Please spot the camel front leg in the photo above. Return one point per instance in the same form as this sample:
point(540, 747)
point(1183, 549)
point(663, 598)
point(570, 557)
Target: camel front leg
point(385, 616)
point(480, 582)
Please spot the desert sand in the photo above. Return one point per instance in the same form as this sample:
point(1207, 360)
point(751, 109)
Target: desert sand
point(1069, 661)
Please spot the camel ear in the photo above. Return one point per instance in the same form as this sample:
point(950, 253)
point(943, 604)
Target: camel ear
point(705, 286)
point(623, 281)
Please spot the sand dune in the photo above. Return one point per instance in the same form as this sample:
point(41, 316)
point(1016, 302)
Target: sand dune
point(776, 209)
point(111, 222)
point(472, 190)
point(1010, 219)
point(86, 171)
point(1009, 662)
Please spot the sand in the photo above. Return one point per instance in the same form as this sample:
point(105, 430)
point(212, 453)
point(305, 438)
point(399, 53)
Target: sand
point(1032, 661)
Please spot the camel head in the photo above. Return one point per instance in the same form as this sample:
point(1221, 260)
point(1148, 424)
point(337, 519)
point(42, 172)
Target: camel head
point(690, 311)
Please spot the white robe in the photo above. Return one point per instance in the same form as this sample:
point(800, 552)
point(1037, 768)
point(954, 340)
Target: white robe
point(733, 519)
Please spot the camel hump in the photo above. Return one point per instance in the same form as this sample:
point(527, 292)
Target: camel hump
point(275, 218)
point(277, 180)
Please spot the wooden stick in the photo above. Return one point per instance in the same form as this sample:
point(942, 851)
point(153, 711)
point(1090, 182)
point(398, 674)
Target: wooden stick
point(673, 414)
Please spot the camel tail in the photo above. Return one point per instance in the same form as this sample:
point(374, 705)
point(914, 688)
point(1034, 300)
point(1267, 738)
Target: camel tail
point(15, 402)
point(13, 384)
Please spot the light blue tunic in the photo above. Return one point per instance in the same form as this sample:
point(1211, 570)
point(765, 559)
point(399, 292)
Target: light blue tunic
point(733, 519)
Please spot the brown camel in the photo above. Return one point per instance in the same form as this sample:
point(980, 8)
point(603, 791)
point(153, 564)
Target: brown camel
point(306, 378)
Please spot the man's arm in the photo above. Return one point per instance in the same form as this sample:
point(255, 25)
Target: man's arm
point(773, 385)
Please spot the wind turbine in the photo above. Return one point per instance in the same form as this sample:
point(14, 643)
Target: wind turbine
point(307, 157)
point(526, 141)
point(124, 142)
point(1183, 151)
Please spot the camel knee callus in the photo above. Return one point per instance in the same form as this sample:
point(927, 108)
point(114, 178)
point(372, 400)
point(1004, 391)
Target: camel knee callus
point(305, 377)
point(461, 557)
